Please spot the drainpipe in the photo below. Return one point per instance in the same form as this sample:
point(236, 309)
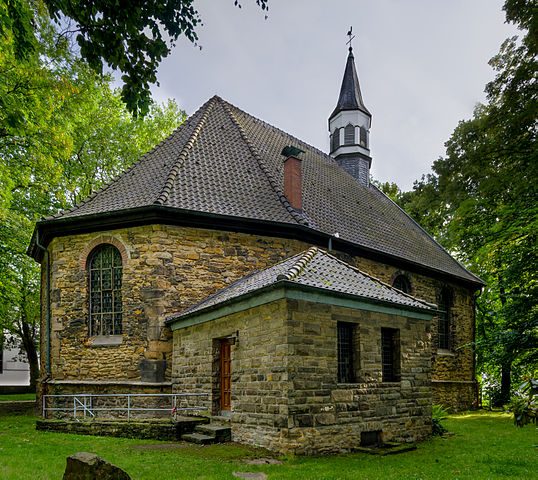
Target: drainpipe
point(47, 257)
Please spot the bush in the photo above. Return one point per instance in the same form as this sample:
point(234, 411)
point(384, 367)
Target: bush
point(438, 413)
point(525, 406)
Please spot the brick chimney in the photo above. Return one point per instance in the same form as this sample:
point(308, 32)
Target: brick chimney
point(293, 177)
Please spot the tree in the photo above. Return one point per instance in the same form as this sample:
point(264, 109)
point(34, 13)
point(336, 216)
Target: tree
point(480, 202)
point(64, 132)
point(132, 36)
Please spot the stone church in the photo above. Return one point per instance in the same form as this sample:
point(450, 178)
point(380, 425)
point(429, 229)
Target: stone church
point(237, 261)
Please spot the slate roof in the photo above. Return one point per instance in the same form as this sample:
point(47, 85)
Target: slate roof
point(318, 269)
point(222, 161)
point(350, 92)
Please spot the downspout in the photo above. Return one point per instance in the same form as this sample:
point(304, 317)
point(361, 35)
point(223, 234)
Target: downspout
point(47, 257)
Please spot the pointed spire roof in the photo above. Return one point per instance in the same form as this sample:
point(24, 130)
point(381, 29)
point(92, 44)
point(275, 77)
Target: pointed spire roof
point(350, 93)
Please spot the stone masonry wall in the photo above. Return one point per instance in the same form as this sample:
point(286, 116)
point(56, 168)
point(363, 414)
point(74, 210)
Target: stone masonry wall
point(165, 269)
point(453, 370)
point(258, 366)
point(285, 394)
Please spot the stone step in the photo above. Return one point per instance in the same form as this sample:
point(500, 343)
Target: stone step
point(221, 433)
point(198, 438)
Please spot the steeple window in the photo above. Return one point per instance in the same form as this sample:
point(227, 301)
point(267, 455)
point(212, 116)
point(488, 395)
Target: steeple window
point(364, 137)
point(335, 140)
point(349, 134)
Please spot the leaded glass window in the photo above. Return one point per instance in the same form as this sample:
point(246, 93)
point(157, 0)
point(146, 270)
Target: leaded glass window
point(105, 291)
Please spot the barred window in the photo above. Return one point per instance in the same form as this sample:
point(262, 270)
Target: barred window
point(401, 282)
point(105, 291)
point(345, 353)
point(349, 134)
point(390, 355)
point(443, 328)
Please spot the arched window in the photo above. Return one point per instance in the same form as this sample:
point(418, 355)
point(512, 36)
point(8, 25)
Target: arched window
point(349, 134)
point(401, 282)
point(105, 277)
point(443, 329)
point(335, 140)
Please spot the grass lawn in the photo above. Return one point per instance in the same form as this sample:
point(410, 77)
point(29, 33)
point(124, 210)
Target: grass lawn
point(484, 446)
point(17, 396)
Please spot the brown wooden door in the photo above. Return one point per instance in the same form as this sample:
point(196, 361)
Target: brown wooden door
point(225, 376)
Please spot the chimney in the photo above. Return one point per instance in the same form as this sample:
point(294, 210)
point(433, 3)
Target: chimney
point(293, 177)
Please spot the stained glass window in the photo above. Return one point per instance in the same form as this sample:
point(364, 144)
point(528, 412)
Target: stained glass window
point(105, 291)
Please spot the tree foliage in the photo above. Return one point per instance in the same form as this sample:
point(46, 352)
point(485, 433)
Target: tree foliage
point(64, 132)
point(130, 36)
point(480, 203)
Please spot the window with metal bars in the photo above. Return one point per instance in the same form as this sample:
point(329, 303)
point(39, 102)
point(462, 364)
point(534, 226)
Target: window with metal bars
point(349, 134)
point(443, 327)
point(105, 281)
point(390, 355)
point(346, 372)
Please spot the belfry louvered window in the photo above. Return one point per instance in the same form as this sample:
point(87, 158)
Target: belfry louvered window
point(349, 135)
point(335, 140)
point(106, 270)
point(364, 137)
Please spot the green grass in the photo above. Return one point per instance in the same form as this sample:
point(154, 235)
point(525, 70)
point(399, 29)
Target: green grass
point(17, 396)
point(484, 446)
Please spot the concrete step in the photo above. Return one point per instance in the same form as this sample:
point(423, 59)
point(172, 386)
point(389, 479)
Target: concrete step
point(198, 438)
point(221, 433)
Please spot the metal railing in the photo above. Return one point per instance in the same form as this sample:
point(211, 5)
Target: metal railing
point(87, 404)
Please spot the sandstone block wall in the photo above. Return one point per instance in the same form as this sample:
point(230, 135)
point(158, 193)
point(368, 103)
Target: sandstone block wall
point(167, 268)
point(285, 394)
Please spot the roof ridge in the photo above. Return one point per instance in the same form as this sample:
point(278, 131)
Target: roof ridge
point(376, 280)
point(295, 270)
point(299, 218)
point(169, 183)
point(297, 140)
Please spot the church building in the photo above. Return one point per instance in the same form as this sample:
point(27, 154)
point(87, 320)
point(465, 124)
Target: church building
point(236, 261)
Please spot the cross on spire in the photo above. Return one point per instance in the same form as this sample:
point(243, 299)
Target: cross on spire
point(351, 37)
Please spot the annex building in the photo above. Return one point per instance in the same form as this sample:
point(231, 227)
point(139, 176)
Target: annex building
point(236, 260)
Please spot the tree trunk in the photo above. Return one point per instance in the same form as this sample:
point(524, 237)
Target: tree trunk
point(31, 353)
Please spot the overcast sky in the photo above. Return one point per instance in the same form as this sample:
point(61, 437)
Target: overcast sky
point(422, 67)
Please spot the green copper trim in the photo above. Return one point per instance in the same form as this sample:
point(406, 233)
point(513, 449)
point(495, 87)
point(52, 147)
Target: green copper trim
point(287, 289)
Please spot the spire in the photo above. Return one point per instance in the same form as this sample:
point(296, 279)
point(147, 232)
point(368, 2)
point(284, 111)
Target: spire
point(350, 92)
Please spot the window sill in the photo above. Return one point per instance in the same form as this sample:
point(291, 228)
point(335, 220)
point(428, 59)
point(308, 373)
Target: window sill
point(106, 341)
point(444, 351)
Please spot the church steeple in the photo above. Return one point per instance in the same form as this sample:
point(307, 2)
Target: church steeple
point(350, 92)
point(349, 126)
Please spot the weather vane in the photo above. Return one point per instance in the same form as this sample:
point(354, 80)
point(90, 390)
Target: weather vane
point(351, 37)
